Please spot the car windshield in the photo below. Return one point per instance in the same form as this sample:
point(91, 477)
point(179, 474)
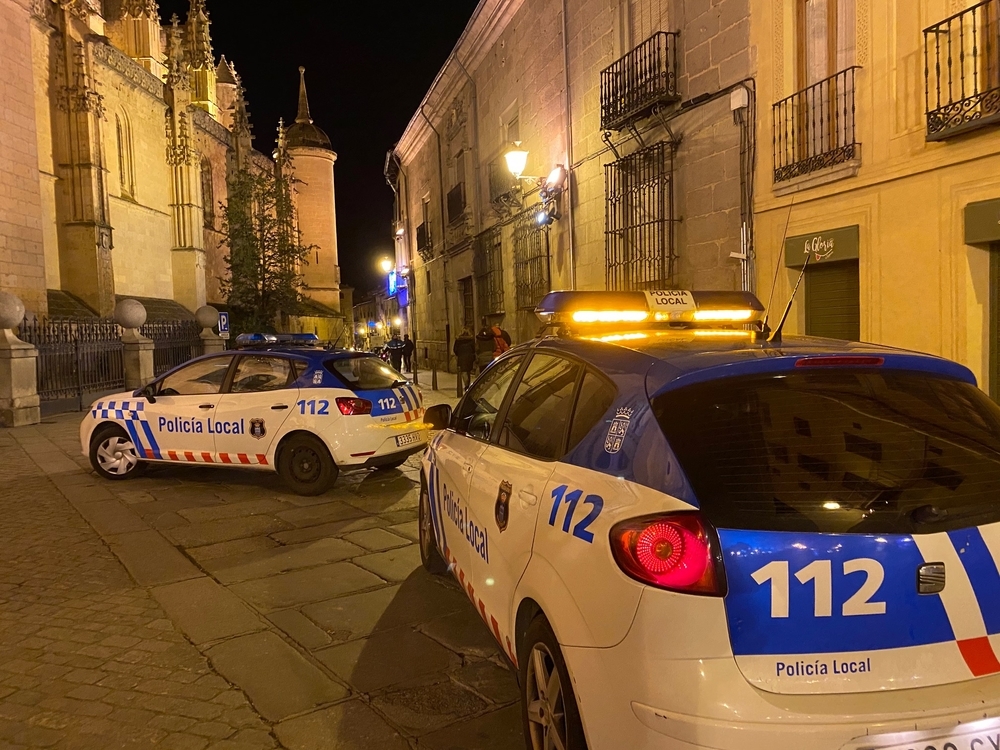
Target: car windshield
point(838, 451)
point(363, 373)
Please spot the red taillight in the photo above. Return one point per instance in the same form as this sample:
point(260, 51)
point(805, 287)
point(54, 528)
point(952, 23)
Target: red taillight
point(854, 361)
point(672, 551)
point(351, 406)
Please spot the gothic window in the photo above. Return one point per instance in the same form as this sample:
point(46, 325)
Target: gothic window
point(126, 170)
point(207, 193)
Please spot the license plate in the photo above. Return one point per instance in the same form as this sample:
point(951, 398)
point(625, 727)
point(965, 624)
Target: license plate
point(408, 439)
point(976, 735)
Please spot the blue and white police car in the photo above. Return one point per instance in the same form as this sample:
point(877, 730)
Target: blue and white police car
point(286, 406)
point(685, 535)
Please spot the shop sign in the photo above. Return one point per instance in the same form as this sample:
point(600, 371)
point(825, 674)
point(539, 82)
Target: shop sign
point(830, 246)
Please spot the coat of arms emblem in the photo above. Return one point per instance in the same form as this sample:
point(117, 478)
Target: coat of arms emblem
point(502, 508)
point(257, 428)
point(618, 430)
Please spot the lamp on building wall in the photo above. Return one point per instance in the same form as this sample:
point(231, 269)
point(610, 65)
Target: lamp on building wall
point(386, 265)
point(517, 159)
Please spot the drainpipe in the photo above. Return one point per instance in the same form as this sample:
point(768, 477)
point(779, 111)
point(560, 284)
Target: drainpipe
point(444, 220)
point(569, 152)
point(477, 189)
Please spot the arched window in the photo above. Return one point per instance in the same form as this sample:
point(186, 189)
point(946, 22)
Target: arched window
point(207, 193)
point(126, 170)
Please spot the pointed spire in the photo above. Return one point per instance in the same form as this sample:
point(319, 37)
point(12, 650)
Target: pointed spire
point(199, 38)
point(224, 73)
point(176, 75)
point(303, 115)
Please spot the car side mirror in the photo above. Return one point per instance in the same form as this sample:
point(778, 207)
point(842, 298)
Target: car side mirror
point(147, 392)
point(438, 417)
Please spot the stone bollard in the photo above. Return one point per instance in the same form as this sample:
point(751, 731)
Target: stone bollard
point(130, 315)
point(208, 317)
point(434, 377)
point(18, 368)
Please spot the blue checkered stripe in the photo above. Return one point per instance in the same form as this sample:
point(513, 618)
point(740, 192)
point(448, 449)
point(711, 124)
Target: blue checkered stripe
point(130, 414)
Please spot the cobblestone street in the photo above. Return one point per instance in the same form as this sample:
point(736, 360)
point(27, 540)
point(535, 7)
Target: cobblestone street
point(209, 608)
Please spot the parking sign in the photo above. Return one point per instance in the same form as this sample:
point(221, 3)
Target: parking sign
point(224, 325)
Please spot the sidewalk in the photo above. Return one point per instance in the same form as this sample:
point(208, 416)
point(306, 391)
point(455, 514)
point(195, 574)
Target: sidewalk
point(209, 608)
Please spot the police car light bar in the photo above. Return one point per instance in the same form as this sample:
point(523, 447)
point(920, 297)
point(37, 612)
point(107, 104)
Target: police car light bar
point(664, 306)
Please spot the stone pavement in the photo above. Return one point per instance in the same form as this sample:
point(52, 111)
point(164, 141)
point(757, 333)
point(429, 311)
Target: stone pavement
point(209, 608)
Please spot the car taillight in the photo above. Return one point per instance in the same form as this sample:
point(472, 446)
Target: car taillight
point(675, 551)
point(351, 406)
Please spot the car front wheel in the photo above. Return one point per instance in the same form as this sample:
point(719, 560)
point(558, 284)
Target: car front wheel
point(429, 555)
point(548, 706)
point(306, 466)
point(113, 454)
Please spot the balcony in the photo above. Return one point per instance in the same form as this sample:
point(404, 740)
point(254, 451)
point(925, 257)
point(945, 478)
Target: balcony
point(633, 85)
point(814, 128)
point(505, 194)
point(962, 71)
point(456, 203)
point(424, 242)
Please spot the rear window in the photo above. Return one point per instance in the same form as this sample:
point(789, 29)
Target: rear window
point(363, 373)
point(838, 451)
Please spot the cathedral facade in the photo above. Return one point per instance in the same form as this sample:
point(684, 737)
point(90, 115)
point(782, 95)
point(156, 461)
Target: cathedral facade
point(119, 137)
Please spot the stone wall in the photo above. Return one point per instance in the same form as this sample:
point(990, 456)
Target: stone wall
point(22, 261)
point(212, 141)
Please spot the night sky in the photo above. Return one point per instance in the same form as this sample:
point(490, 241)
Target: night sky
point(366, 72)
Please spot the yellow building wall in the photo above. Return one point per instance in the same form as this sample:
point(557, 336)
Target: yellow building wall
point(921, 286)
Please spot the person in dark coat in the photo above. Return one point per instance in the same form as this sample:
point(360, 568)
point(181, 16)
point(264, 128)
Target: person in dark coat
point(408, 349)
point(485, 345)
point(395, 347)
point(465, 353)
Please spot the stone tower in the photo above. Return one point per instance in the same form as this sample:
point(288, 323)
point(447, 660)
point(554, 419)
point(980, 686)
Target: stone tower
point(312, 160)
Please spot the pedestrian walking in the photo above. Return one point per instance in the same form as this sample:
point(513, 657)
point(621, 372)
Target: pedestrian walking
point(395, 347)
point(408, 348)
point(465, 353)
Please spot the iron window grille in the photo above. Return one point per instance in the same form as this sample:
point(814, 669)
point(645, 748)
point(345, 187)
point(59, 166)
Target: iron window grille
point(962, 71)
point(814, 128)
point(504, 188)
point(636, 83)
point(639, 217)
point(531, 259)
point(487, 267)
point(456, 203)
point(424, 241)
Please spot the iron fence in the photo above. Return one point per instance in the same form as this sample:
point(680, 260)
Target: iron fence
point(531, 259)
point(814, 128)
point(634, 84)
point(175, 342)
point(487, 266)
point(962, 71)
point(639, 237)
point(78, 360)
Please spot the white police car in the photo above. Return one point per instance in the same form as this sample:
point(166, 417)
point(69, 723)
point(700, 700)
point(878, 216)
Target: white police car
point(303, 411)
point(688, 536)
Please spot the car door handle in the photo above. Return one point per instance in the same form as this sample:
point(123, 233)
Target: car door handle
point(467, 468)
point(527, 498)
point(279, 407)
point(206, 406)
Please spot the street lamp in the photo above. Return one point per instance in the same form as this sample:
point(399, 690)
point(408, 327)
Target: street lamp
point(517, 159)
point(386, 265)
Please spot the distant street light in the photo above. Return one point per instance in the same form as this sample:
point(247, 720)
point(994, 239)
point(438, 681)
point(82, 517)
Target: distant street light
point(386, 265)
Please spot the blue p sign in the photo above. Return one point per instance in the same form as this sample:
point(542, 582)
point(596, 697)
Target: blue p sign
point(223, 322)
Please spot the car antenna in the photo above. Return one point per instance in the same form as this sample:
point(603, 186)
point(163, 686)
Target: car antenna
point(776, 336)
point(342, 331)
point(764, 330)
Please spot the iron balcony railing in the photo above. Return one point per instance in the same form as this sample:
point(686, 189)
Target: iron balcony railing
point(962, 71)
point(634, 84)
point(424, 241)
point(814, 128)
point(503, 185)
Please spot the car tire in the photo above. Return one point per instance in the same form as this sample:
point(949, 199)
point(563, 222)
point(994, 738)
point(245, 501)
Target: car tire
point(393, 465)
point(550, 707)
point(113, 454)
point(430, 557)
point(306, 466)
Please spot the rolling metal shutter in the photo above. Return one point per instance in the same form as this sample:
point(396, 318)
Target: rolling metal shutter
point(833, 302)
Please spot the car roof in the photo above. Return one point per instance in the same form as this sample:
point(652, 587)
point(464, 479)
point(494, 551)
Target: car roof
point(674, 358)
point(312, 353)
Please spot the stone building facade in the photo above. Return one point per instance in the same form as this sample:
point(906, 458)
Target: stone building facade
point(648, 104)
point(121, 135)
point(892, 181)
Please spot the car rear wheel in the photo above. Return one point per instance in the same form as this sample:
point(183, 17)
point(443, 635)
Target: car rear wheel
point(113, 454)
point(429, 555)
point(548, 705)
point(306, 466)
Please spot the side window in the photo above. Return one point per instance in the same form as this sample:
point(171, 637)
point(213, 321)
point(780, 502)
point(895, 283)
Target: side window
point(255, 374)
point(596, 397)
point(204, 377)
point(478, 410)
point(540, 411)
